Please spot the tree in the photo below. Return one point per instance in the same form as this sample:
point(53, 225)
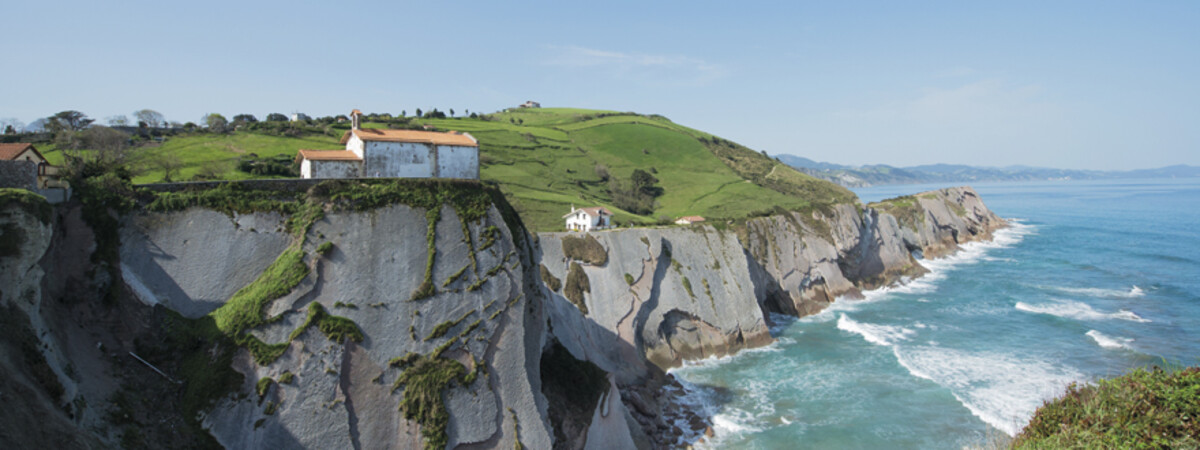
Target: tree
point(216, 123)
point(418, 112)
point(104, 139)
point(403, 112)
point(12, 124)
point(169, 163)
point(244, 119)
point(117, 121)
point(451, 112)
point(602, 172)
point(38, 125)
point(69, 120)
point(152, 118)
point(276, 117)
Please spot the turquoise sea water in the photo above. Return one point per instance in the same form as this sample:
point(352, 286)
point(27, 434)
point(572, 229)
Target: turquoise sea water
point(1092, 279)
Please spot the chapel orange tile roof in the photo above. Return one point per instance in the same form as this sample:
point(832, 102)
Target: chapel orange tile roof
point(11, 151)
point(327, 155)
point(423, 137)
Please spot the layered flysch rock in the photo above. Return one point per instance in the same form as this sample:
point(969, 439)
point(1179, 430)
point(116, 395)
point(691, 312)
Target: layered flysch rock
point(632, 302)
point(340, 394)
point(662, 295)
point(701, 297)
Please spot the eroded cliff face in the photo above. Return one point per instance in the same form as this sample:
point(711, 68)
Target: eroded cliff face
point(674, 294)
point(464, 347)
point(36, 376)
point(396, 326)
point(639, 301)
point(662, 296)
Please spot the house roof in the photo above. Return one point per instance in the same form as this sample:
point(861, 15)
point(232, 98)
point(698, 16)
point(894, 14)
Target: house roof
point(423, 137)
point(327, 155)
point(12, 151)
point(691, 218)
point(593, 211)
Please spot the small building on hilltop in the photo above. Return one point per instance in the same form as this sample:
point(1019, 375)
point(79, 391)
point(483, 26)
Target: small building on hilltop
point(45, 174)
point(688, 220)
point(530, 104)
point(588, 219)
point(394, 154)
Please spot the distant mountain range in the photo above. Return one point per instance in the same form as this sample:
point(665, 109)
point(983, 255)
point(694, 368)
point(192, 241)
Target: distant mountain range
point(870, 175)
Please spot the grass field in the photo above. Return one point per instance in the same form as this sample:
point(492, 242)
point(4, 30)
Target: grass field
point(546, 160)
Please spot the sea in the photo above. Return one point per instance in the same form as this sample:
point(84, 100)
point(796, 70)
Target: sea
point(1091, 280)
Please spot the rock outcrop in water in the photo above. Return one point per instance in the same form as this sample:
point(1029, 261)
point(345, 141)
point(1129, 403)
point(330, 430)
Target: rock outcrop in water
point(402, 325)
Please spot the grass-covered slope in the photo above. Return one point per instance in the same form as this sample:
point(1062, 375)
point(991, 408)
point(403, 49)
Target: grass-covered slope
point(546, 160)
point(1141, 409)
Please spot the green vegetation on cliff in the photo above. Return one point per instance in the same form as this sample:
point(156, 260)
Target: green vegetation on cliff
point(1142, 409)
point(33, 204)
point(545, 160)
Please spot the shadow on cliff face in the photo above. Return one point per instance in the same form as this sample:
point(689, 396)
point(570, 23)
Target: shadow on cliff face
point(579, 351)
point(572, 388)
point(649, 305)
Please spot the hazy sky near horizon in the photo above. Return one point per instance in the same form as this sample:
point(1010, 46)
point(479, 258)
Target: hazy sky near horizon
point(1071, 84)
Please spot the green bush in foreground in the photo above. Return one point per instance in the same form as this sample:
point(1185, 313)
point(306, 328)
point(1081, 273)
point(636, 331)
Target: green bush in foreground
point(1142, 409)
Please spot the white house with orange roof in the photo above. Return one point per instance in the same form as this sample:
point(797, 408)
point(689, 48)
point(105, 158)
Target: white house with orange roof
point(394, 154)
point(588, 219)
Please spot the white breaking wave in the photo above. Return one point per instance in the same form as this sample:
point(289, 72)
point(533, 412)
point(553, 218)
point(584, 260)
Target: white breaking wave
point(1110, 341)
point(1079, 311)
point(1002, 390)
point(1133, 292)
point(875, 334)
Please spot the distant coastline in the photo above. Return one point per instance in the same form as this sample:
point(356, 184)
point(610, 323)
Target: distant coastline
point(880, 174)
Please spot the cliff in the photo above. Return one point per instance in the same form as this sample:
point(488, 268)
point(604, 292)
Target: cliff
point(401, 314)
point(675, 294)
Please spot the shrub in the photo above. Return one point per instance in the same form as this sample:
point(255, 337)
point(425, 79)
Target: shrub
point(551, 281)
point(1142, 409)
point(586, 249)
point(577, 284)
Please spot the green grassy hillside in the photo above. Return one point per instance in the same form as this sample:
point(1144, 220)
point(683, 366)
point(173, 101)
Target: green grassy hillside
point(546, 160)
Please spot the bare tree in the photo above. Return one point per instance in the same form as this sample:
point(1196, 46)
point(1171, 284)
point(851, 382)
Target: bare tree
point(169, 163)
point(150, 117)
point(117, 121)
point(12, 123)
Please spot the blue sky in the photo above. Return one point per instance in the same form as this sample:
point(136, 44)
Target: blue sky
point(1091, 85)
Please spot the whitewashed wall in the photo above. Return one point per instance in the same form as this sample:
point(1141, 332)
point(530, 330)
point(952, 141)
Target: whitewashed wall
point(458, 162)
point(398, 159)
point(579, 221)
point(306, 169)
point(332, 169)
point(355, 145)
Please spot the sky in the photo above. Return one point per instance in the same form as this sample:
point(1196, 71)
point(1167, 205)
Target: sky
point(1064, 84)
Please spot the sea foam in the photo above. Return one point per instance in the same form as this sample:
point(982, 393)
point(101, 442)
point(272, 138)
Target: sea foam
point(1112, 342)
point(1078, 311)
point(1133, 292)
point(1002, 390)
point(875, 334)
